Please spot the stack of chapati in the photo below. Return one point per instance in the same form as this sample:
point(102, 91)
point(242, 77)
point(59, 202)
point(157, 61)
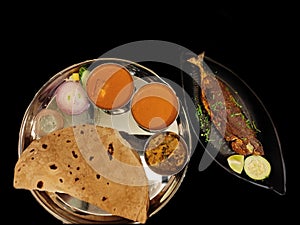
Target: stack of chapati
point(90, 163)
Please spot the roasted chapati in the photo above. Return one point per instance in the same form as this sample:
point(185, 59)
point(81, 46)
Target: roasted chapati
point(91, 163)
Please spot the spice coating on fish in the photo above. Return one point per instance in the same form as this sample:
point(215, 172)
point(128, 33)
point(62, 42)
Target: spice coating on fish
point(225, 113)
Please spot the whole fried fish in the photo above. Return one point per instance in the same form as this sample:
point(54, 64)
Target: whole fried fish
point(225, 113)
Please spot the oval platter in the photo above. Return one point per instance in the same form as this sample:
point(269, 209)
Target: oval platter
point(255, 112)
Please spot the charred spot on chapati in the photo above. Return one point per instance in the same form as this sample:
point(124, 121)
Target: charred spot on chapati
point(74, 154)
point(53, 167)
point(40, 184)
point(110, 150)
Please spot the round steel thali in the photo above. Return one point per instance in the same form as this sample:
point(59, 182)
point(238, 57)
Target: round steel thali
point(161, 188)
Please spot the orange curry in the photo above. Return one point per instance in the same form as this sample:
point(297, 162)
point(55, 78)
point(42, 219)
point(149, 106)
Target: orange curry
point(110, 86)
point(154, 106)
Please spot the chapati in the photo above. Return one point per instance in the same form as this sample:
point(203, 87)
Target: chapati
point(91, 163)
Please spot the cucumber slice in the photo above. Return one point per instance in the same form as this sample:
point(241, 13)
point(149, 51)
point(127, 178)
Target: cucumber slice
point(84, 77)
point(257, 167)
point(48, 120)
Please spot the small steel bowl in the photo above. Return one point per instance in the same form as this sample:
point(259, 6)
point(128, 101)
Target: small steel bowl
point(166, 153)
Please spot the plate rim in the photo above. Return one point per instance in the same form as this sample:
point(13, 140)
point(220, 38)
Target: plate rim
point(170, 191)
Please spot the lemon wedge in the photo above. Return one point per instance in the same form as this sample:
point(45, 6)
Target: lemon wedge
point(75, 76)
point(236, 163)
point(257, 167)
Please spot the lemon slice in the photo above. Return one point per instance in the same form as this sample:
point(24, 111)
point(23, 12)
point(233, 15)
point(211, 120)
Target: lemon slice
point(236, 163)
point(75, 77)
point(257, 167)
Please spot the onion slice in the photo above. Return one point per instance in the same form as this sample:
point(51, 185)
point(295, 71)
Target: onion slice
point(71, 98)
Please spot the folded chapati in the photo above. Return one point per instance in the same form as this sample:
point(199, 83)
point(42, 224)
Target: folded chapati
point(91, 163)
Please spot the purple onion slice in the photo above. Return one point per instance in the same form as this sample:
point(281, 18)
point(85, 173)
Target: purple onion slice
point(71, 98)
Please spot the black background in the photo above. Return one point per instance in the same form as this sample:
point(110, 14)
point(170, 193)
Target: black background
point(259, 58)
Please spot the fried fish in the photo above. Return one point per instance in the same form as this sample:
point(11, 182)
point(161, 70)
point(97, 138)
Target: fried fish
point(225, 113)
